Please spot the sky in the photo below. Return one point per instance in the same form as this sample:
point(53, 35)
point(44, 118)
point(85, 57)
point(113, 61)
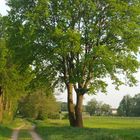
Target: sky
point(113, 97)
point(3, 7)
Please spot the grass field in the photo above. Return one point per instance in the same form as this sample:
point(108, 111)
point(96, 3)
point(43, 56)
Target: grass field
point(96, 128)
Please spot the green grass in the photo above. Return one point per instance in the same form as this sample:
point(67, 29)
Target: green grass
point(96, 128)
point(24, 135)
point(123, 127)
point(7, 128)
point(5, 132)
point(24, 132)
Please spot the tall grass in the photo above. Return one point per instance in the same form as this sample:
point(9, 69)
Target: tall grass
point(96, 128)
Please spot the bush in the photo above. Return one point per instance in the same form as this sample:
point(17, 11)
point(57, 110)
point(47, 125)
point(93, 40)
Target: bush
point(38, 106)
point(53, 116)
point(65, 116)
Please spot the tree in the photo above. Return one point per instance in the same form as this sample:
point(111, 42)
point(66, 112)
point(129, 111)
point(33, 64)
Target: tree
point(12, 82)
point(97, 108)
point(105, 109)
point(130, 106)
point(38, 105)
point(91, 107)
point(63, 106)
point(125, 106)
point(80, 42)
point(2, 64)
point(136, 105)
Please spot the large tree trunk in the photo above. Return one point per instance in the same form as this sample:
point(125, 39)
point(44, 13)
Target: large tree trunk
point(75, 112)
point(71, 108)
point(1, 104)
point(78, 110)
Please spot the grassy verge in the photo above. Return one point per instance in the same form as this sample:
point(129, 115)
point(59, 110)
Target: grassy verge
point(7, 128)
point(5, 132)
point(96, 128)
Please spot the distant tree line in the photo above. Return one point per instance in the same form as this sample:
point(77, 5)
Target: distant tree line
point(129, 106)
point(41, 105)
point(93, 107)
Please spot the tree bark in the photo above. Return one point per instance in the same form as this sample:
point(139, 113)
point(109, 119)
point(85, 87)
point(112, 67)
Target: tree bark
point(78, 111)
point(1, 104)
point(71, 108)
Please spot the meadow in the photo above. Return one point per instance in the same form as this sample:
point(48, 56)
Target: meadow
point(95, 128)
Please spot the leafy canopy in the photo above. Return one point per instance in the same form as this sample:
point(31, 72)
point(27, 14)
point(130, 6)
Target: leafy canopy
point(77, 41)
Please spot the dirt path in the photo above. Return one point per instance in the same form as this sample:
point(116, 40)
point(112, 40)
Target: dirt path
point(34, 135)
point(32, 132)
point(15, 133)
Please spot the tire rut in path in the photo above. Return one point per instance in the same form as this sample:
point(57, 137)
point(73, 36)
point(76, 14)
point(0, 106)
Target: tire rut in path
point(34, 135)
point(15, 134)
point(32, 132)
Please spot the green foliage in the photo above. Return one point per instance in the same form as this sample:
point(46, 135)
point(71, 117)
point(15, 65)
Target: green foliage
point(106, 109)
point(3, 53)
point(92, 107)
point(136, 105)
point(64, 106)
point(12, 82)
point(38, 105)
point(97, 108)
point(129, 106)
point(124, 108)
point(65, 116)
point(76, 42)
point(79, 42)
